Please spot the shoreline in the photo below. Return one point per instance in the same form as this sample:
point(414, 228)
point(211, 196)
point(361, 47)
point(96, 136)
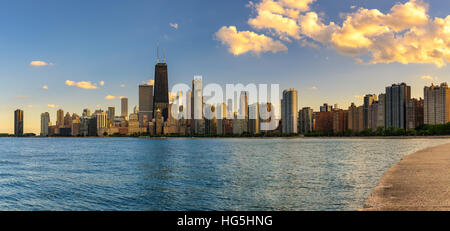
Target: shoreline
point(419, 182)
point(237, 137)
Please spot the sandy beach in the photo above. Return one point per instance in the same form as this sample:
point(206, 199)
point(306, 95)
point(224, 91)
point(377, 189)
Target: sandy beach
point(419, 182)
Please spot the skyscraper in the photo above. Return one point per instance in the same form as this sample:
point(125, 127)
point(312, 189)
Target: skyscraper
point(145, 103)
point(86, 112)
point(243, 110)
point(305, 120)
point(253, 121)
point(381, 119)
point(326, 108)
point(368, 100)
point(60, 118)
point(18, 122)
point(197, 105)
point(124, 107)
point(161, 90)
point(397, 97)
point(45, 123)
point(437, 104)
point(289, 111)
point(111, 115)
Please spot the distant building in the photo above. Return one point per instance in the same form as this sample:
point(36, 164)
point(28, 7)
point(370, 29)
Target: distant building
point(161, 90)
point(124, 107)
point(368, 101)
point(197, 105)
point(253, 121)
point(289, 111)
point(101, 119)
point(243, 110)
point(323, 121)
point(340, 120)
point(60, 118)
point(305, 120)
point(437, 104)
point(18, 122)
point(397, 97)
point(111, 115)
point(86, 112)
point(145, 103)
point(414, 113)
point(68, 120)
point(355, 118)
point(381, 111)
point(45, 123)
point(326, 108)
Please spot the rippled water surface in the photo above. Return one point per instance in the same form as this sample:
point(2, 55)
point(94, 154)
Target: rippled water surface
point(195, 174)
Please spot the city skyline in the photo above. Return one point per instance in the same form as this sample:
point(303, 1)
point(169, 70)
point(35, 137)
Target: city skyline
point(67, 76)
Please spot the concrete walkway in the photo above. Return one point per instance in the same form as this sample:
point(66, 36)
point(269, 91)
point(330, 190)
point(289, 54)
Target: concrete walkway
point(421, 181)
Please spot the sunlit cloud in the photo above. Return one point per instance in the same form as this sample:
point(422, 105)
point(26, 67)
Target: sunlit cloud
point(51, 106)
point(37, 63)
point(45, 87)
point(110, 97)
point(150, 82)
point(123, 85)
point(313, 88)
point(174, 25)
point(102, 83)
point(32, 106)
point(241, 42)
point(428, 77)
point(83, 84)
point(405, 34)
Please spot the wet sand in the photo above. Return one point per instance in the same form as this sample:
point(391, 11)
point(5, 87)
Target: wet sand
point(419, 182)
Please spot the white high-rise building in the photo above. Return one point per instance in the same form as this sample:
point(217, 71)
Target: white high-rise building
point(45, 122)
point(101, 118)
point(198, 97)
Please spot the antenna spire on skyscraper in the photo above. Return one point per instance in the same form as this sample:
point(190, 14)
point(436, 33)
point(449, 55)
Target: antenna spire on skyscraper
point(157, 53)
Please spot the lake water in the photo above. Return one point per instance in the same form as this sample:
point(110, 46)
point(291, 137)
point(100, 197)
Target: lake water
point(195, 174)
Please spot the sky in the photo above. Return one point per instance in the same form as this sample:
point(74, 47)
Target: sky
point(80, 54)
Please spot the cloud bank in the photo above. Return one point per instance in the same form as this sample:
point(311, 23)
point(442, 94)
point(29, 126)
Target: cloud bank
point(405, 34)
point(83, 84)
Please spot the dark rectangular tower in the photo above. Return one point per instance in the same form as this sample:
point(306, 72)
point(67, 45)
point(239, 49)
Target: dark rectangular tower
point(161, 90)
point(18, 122)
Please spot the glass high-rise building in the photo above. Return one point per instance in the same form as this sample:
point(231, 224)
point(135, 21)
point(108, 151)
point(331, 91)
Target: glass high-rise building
point(18, 122)
point(289, 111)
point(397, 97)
point(124, 107)
point(145, 103)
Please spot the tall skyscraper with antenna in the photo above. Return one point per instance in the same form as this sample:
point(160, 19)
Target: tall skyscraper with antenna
point(161, 88)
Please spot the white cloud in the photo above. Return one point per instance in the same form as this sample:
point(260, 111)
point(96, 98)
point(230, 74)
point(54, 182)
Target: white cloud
point(123, 85)
point(174, 25)
point(241, 42)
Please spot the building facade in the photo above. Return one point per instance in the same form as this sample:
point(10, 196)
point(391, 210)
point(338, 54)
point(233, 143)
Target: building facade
point(289, 111)
point(437, 104)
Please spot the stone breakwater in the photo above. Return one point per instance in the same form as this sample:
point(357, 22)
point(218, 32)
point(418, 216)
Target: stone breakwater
point(419, 182)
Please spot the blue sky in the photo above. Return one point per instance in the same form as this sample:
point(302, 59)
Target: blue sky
point(115, 42)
